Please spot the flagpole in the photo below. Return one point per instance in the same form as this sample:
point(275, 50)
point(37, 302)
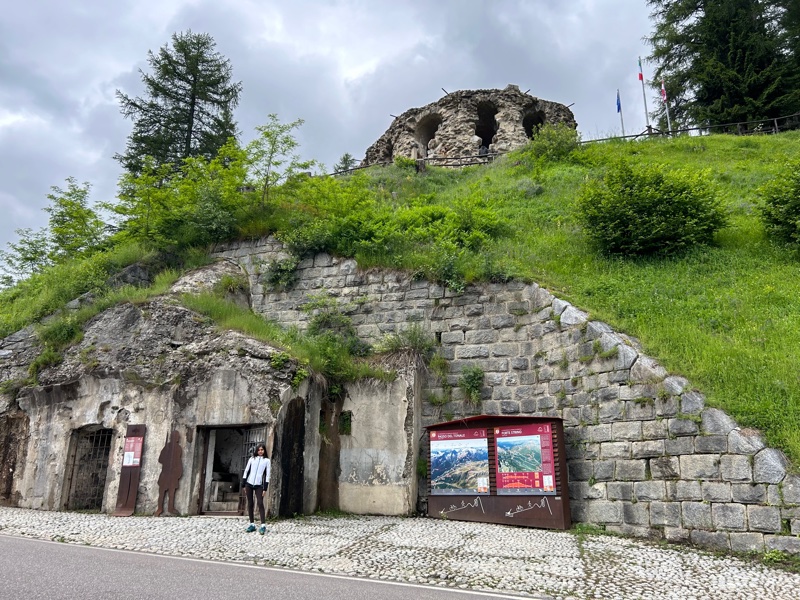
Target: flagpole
point(619, 110)
point(644, 96)
point(669, 122)
point(666, 105)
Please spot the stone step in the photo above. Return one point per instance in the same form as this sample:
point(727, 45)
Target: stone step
point(223, 506)
point(230, 497)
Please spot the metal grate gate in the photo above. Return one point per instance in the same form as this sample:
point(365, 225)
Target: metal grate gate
point(90, 466)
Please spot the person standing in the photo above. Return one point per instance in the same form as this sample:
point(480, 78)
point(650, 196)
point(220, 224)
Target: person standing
point(255, 480)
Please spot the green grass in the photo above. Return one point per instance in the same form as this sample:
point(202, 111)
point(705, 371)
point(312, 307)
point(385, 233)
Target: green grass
point(44, 293)
point(323, 354)
point(727, 317)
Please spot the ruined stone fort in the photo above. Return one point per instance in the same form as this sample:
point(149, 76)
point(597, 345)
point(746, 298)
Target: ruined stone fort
point(463, 122)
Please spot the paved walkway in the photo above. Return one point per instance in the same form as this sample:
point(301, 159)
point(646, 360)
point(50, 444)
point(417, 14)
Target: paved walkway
point(429, 551)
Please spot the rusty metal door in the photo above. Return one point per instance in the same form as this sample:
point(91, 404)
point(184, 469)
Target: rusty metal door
point(250, 438)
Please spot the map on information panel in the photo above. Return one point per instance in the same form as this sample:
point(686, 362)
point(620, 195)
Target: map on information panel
point(459, 462)
point(525, 459)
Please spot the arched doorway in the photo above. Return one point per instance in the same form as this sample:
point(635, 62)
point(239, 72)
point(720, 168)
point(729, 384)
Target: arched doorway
point(532, 121)
point(387, 153)
point(88, 460)
point(486, 127)
point(426, 130)
point(291, 442)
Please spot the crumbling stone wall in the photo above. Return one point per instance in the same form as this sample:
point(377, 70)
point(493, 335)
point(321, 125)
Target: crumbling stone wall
point(646, 456)
point(461, 122)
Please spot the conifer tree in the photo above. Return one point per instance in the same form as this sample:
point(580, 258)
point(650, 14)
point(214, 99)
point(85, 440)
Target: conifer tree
point(187, 106)
point(723, 60)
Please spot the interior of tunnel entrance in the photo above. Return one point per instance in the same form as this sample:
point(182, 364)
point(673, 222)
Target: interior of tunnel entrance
point(226, 452)
point(88, 459)
point(426, 131)
point(532, 121)
point(486, 126)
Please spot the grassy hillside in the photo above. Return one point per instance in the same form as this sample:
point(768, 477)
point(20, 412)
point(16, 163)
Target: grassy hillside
point(727, 317)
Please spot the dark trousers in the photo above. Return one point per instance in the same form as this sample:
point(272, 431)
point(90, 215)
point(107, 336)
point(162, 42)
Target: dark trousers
point(251, 491)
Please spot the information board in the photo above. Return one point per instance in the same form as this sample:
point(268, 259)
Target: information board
point(459, 462)
point(132, 456)
point(525, 459)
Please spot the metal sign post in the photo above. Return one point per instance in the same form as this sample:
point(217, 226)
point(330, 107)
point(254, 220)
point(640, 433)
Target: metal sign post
point(131, 471)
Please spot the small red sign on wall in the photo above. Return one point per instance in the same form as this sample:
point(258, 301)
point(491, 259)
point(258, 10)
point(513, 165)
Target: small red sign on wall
point(132, 456)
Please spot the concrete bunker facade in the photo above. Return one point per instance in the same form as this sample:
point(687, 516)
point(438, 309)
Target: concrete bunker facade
point(164, 367)
point(467, 123)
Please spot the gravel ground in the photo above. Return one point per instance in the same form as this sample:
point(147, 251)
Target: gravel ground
point(429, 551)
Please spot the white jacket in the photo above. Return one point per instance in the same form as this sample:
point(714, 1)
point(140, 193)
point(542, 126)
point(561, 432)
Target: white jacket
point(257, 471)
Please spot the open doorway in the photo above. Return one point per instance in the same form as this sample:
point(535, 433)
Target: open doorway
point(426, 131)
point(226, 451)
point(87, 467)
point(531, 122)
point(486, 127)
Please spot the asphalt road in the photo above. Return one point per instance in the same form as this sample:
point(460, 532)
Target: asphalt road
point(35, 569)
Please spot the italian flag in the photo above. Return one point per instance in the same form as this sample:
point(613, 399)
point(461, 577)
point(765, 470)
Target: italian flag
point(641, 75)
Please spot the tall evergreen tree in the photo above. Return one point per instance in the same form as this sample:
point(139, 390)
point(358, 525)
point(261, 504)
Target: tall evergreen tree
point(790, 28)
point(722, 60)
point(187, 107)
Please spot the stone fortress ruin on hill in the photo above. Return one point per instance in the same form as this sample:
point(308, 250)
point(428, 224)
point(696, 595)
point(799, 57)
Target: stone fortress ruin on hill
point(467, 123)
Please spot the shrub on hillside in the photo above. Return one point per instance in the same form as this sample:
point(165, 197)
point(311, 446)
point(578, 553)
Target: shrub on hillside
point(780, 210)
point(644, 210)
point(553, 142)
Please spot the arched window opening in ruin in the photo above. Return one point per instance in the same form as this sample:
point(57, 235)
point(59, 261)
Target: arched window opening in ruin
point(426, 130)
point(486, 126)
point(388, 153)
point(531, 122)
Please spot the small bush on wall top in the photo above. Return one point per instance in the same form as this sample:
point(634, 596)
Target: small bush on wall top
point(780, 210)
point(644, 210)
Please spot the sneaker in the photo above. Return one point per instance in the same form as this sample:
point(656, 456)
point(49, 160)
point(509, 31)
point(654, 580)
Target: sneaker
point(250, 529)
point(262, 530)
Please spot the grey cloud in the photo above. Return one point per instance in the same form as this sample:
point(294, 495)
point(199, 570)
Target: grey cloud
point(61, 63)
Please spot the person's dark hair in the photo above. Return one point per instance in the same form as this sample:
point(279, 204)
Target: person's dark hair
point(260, 445)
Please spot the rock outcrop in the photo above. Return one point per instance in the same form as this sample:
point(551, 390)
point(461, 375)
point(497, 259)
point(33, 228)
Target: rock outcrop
point(465, 122)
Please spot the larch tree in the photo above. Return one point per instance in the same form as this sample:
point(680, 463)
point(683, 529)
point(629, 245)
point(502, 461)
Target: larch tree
point(187, 107)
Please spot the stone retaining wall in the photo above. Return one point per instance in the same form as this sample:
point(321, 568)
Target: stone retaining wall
point(646, 456)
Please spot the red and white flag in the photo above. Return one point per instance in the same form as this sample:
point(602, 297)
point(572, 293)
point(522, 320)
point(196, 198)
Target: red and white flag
point(663, 92)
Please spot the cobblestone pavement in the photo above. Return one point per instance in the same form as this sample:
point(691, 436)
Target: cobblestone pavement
point(429, 551)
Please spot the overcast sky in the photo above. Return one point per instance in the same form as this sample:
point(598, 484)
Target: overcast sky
point(343, 66)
